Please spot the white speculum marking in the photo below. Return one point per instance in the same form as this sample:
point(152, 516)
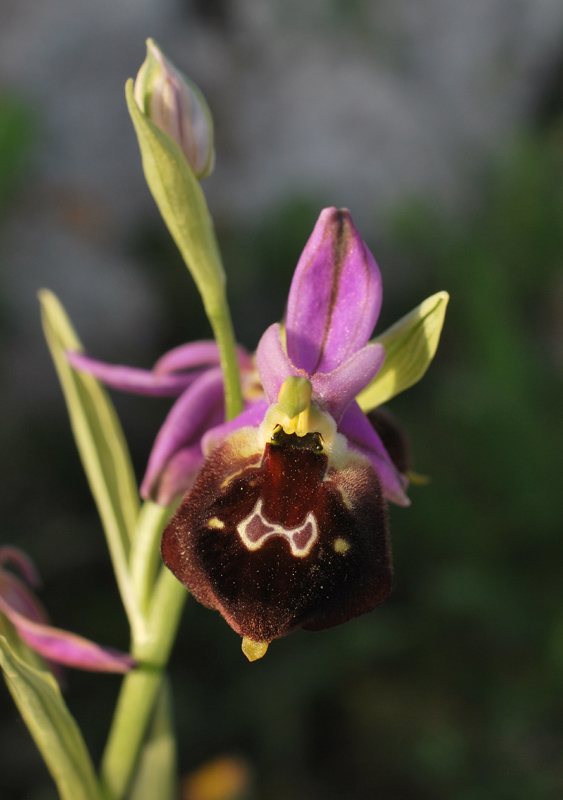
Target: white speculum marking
point(255, 529)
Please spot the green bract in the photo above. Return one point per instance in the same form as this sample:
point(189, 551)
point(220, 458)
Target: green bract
point(181, 202)
point(410, 345)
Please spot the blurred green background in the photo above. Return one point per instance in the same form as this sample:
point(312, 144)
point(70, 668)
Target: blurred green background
point(453, 688)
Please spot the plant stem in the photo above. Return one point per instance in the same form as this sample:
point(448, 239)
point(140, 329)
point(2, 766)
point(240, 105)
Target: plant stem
point(220, 319)
point(155, 777)
point(145, 555)
point(132, 715)
point(140, 688)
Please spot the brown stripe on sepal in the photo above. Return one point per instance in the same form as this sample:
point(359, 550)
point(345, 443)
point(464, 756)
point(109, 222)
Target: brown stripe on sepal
point(339, 238)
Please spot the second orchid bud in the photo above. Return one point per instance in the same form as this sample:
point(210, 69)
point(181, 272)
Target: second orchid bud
point(176, 106)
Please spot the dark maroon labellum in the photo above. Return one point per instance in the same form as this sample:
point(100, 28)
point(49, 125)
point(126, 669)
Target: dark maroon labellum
point(284, 542)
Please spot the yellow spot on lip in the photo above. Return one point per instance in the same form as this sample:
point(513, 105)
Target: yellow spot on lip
point(341, 545)
point(215, 522)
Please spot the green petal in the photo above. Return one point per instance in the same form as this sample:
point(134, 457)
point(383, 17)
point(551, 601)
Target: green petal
point(51, 725)
point(410, 345)
point(101, 445)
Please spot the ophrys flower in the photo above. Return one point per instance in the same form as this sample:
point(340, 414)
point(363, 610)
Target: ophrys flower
point(286, 525)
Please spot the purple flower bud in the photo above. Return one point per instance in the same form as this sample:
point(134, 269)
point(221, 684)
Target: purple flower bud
point(177, 107)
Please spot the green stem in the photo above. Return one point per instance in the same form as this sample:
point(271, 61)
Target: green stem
point(164, 615)
point(132, 716)
point(145, 555)
point(156, 774)
point(140, 688)
point(220, 319)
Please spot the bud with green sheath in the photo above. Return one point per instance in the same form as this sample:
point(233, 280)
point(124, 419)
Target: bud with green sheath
point(177, 107)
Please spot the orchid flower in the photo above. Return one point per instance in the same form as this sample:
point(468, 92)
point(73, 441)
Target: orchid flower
point(286, 524)
point(30, 620)
point(284, 520)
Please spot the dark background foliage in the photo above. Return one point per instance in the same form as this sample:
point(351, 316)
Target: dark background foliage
point(450, 690)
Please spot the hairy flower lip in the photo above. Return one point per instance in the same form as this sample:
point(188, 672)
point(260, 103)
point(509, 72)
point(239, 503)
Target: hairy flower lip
point(30, 620)
point(232, 541)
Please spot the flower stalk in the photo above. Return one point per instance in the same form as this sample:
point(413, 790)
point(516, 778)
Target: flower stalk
point(140, 688)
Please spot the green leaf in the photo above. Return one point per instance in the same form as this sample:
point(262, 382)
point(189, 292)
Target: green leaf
point(101, 445)
point(156, 772)
point(410, 345)
point(181, 202)
point(18, 646)
point(51, 725)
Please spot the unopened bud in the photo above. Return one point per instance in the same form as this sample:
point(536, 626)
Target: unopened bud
point(175, 105)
